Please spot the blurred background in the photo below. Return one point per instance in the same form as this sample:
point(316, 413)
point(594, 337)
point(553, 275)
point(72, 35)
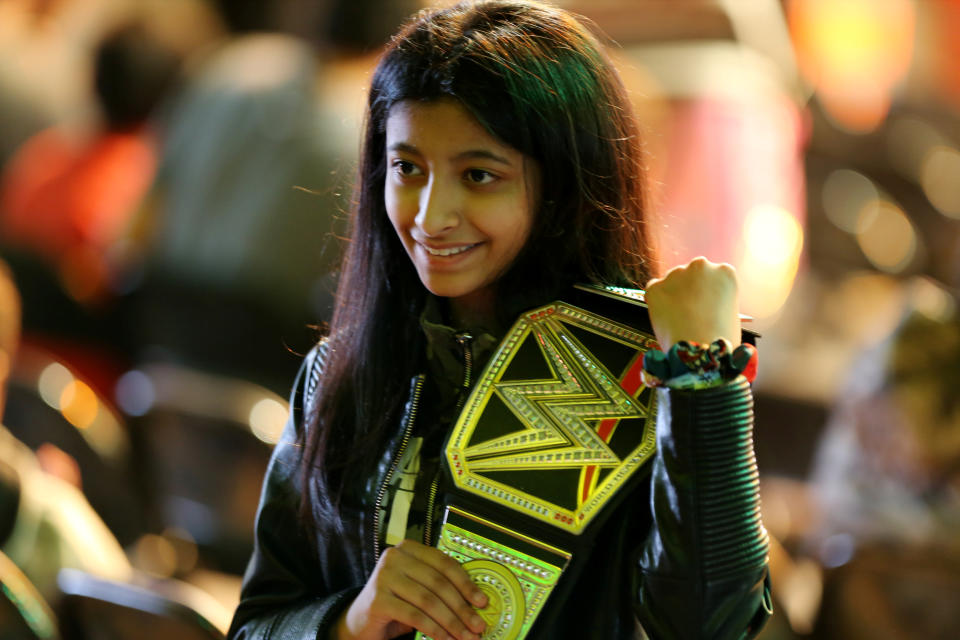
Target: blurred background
point(174, 182)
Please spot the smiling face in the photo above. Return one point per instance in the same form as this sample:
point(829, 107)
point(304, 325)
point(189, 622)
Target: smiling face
point(461, 201)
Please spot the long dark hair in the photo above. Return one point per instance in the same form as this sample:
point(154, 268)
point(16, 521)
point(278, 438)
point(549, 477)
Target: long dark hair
point(534, 77)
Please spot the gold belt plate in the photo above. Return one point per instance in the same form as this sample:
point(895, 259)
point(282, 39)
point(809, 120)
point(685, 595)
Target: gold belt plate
point(515, 571)
point(559, 420)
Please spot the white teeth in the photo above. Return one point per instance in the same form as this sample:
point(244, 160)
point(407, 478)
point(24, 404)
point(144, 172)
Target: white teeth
point(447, 252)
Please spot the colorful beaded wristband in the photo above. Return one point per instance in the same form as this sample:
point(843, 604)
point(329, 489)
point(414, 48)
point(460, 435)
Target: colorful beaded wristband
point(692, 365)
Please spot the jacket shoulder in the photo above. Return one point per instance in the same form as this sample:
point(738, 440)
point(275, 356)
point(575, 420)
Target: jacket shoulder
point(303, 393)
point(314, 364)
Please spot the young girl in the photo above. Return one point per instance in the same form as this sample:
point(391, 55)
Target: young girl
point(501, 165)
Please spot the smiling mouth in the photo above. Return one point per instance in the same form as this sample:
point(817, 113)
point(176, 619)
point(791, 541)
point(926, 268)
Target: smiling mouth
point(452, 251)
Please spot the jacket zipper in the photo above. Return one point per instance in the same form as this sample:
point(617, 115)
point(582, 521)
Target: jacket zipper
point(431, 499)
point(464, 339)
point(408, 428)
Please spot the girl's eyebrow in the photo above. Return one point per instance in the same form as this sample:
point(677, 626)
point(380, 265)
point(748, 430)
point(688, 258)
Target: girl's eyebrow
point(482, 154)
point(403, 146)
point(469, 154)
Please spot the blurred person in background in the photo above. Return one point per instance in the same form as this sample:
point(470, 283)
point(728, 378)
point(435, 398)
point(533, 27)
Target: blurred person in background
point(228, 246)
point(239, 240)
point(68, 195)
point(881, 511)
point(46, 523)
point(886, 482)
point(231, 248)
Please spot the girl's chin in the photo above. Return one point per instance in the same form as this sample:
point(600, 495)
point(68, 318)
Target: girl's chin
point(453, 291)
point(469, 303)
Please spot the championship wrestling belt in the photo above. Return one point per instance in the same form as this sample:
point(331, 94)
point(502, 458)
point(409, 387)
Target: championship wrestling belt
point(554, 432)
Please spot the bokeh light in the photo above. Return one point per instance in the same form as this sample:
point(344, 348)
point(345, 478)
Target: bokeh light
point(185, 547)
point(931, 299)
point(267, 418)
point(940, 179)
point(155, 555)
point(837, 550)
point(772, 242)
point(79, 404)
point(52, 381)
point(886, 236)
point(82, 407)
point(845, 194)
point(135, 393)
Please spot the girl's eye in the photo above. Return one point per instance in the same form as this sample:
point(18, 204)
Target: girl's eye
point(405, 168)
point(479, 176)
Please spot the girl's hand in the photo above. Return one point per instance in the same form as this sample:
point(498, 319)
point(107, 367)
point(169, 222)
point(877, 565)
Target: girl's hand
point(696, 302)
point(415, 587)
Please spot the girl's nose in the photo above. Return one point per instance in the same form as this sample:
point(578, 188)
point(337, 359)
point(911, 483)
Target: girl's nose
point(439, 210)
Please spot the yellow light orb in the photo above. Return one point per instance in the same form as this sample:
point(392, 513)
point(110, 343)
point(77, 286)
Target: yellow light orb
point(889, 241)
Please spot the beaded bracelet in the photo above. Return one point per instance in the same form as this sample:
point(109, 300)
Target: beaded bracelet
point(692, 365)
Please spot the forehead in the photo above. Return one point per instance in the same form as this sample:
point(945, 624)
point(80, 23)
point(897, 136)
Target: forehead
point(440, 124)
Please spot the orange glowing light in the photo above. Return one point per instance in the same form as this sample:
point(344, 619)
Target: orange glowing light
point(79, 404)
point(853, 52)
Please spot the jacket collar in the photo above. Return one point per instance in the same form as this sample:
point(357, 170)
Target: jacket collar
point(444, 351)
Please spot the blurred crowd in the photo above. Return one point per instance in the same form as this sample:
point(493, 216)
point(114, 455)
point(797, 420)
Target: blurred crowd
point(174, 182)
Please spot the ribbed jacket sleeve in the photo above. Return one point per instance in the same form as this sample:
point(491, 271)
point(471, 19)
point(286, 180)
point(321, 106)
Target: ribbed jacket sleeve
point(703, 569)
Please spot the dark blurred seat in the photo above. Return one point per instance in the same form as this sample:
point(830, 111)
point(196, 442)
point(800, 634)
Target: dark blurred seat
point(24, 614)
point(889, 592)
point(207, 441)
point(97, 609)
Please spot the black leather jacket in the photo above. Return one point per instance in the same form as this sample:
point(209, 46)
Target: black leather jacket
point(686, 557)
